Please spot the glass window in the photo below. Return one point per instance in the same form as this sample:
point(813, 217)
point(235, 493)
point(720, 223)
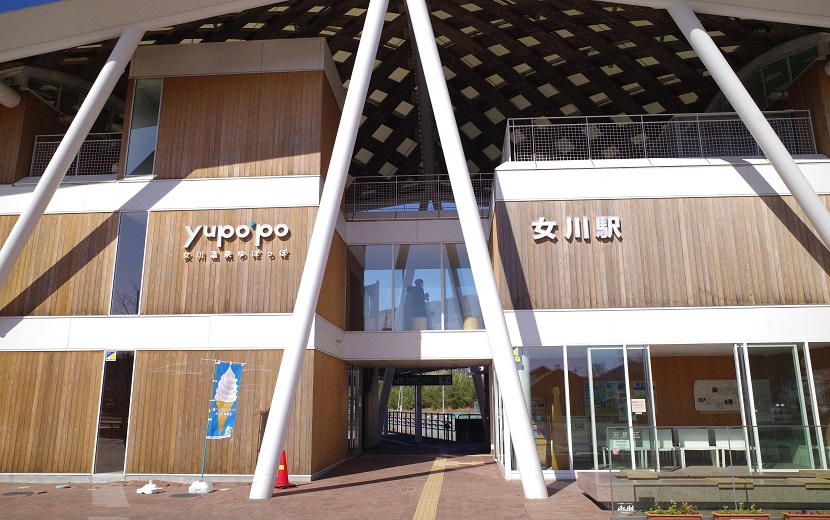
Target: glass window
point(370, 288)
point(547, 406)
point(417, 287)
point(461, 306)
point(144, 122)
point(129, 263)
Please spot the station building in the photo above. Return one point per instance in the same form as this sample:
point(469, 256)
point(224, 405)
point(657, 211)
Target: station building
point(658, 278)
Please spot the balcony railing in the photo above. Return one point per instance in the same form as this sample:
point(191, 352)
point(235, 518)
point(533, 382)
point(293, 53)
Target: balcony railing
point(98, 155)
point(373, 197)
point(649, 137)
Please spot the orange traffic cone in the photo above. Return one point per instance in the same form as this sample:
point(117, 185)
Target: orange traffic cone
point(282, 474)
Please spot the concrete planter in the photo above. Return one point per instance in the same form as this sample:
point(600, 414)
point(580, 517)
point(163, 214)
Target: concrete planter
point(796, 515)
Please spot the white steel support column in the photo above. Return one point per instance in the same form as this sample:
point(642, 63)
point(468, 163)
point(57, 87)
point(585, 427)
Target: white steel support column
point(9, 97)
point(517, 416)
point(318, 252)
point(383, 402)
point(752, 117)
point(68, 148)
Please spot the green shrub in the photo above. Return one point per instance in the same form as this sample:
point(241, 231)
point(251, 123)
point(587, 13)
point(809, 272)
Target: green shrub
point(674, 509)
point(751, 510)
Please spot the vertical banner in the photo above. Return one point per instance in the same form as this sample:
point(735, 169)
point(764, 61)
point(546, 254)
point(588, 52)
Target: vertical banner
point(223, 399)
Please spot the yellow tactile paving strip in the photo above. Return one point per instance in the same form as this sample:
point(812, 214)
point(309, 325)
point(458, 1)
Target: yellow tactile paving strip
point(428, 503)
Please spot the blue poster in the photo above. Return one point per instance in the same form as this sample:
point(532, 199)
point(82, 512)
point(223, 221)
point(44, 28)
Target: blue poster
point(223, 399)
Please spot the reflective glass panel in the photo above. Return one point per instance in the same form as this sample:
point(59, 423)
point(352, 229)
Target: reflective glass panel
point(547, 406)
point(461, 307)
point(129, 263)
point(144, 122)
point(418, 287)
point(370, 288)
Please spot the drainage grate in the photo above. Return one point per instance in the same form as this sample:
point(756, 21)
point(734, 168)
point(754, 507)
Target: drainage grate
point(186, 495)
point(17, 494)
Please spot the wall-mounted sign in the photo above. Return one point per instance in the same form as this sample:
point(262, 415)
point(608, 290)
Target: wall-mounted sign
point(578, 228)
point(224, 233)
point(638, 406)
point(109, 355)
point(429, 380)
point(220, 233)
point(716, 395)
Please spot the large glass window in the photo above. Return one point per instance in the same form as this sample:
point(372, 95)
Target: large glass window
point(370, 288)
point(418, 287)
point(144, 121)
point(547, 405)
point(461, 308)
point(129, 263)
point(411, 287)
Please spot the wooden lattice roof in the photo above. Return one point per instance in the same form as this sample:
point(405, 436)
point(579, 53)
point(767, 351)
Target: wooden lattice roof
point(502, 59)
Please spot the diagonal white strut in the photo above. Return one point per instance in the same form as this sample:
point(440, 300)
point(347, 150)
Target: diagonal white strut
point(70, 144)
point(732, 88)
point(516, 413)
point(285, 390)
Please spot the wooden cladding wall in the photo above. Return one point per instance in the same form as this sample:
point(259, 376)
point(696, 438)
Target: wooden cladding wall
point(170, 399)
point(674, 380)
point(332, 302)
point(241, 125)
point(331, 393)
point(65, 268)
point(18, 128)
point(673, 252)
point(49, 405)
point(173, 285)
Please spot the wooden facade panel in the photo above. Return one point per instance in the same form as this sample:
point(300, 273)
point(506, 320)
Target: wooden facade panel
point(65, 269)
point(332, 302)
point(330, 122)
point(674, 399)
point(240, 125)
point(331, 384)
point(673, 253)
point(18, 128)
point(170, 401)
point(241, 284)
point(49, 407)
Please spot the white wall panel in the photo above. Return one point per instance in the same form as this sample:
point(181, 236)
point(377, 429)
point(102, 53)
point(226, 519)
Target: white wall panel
point(622, 179)
point(135, 195)
point(669, 325)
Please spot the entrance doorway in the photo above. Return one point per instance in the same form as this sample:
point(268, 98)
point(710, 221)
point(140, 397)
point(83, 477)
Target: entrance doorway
point(114, 413)
point(619, 383)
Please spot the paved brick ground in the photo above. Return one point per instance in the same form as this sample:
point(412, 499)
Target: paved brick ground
point(383, 483)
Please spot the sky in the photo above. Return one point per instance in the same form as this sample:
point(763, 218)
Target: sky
point(14, 5)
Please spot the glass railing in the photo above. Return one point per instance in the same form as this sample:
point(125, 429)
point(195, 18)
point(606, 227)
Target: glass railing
point(776, 468)
point(663, 136)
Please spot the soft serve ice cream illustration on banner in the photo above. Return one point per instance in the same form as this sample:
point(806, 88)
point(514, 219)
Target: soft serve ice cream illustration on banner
point(225, 397)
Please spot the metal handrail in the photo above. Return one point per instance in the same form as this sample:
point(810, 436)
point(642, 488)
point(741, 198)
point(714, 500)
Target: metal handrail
point(658, 136)
point(434, 425)
point(412, 194)
point(99, 154)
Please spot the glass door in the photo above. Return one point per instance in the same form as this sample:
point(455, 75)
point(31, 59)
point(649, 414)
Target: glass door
point(775, 378)
point(619, 399)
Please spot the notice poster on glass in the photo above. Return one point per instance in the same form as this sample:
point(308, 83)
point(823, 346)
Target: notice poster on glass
point(716, 396)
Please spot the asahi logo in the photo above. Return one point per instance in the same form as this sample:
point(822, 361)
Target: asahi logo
point(223, 232)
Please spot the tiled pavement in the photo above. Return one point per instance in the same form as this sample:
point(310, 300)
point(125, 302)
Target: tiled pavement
point(390, 482)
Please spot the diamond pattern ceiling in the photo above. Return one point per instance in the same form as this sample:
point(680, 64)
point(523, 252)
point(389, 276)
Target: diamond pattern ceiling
point(502, 59)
